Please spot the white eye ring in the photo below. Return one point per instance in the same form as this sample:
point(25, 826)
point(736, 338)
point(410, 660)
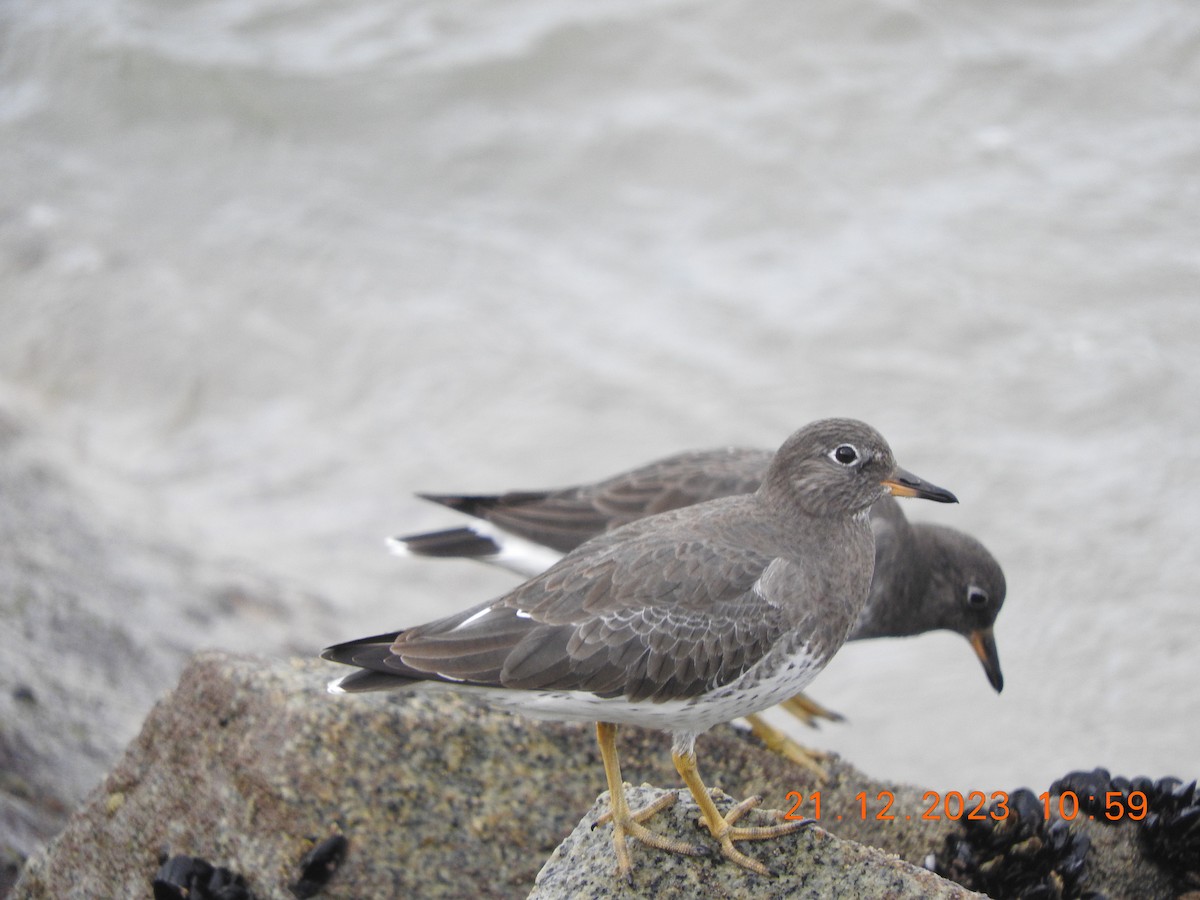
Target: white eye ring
point(976, 597)
point(845, 454)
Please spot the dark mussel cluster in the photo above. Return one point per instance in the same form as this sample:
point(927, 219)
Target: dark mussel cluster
point(192, 878)
point(1031, 856)
point(1018, 854)
point(318, 865)
point(1170, 830)
point(1092, 788)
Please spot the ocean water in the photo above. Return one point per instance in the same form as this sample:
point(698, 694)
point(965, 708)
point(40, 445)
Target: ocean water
point(266, 269)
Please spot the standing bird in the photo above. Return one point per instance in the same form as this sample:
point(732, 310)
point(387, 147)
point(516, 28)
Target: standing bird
point(677, 621)
point(926, 578)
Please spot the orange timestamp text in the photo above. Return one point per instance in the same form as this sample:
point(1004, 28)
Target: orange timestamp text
point(1113, 806)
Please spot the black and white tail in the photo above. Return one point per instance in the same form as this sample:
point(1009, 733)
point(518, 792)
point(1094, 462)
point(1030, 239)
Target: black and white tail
point(481, 541)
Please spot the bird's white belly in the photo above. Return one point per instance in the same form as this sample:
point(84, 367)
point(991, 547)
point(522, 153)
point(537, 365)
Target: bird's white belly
point(753, 692)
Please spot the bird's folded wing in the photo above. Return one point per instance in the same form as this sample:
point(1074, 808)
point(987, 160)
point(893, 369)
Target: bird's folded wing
point(659, 622)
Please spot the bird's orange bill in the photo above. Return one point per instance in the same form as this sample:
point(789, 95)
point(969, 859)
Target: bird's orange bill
point(984, 644)
point(906, 484)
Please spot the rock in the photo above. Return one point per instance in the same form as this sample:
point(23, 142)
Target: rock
point(809, 864)
point(96, 621)
point(249, 765)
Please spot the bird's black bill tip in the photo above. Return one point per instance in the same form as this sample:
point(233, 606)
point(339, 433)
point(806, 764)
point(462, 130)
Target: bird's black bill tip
point(906, 484)
point(983, 642)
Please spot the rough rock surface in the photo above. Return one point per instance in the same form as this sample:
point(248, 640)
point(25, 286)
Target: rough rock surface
point(809, 864)
point(249, 762)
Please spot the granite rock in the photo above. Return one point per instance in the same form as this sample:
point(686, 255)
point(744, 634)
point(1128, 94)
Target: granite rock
point(248, 764)
point(811, 863)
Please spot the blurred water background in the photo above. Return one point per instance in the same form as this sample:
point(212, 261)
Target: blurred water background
point(268, 268)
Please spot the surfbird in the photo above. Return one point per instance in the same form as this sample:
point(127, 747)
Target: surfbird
point(927, 577)
point(677, 621)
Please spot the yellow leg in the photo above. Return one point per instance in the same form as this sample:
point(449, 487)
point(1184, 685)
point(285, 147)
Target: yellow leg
point(778, 742)
point(626, 823)
point(722, 827)
point(809, 710)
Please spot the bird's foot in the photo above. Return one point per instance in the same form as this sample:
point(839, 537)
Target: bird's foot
point(809, 711)
point(628, 824)
point(725, 831)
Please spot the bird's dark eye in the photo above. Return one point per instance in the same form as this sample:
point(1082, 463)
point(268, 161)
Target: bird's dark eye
point(977, 598)
point(845, 454)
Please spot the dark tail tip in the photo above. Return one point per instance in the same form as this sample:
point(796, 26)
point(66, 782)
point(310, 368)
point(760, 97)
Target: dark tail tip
point(452, 542)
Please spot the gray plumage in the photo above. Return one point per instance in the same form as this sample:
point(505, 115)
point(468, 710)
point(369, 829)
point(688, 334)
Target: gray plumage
point(926, 577)
point(678, 620)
